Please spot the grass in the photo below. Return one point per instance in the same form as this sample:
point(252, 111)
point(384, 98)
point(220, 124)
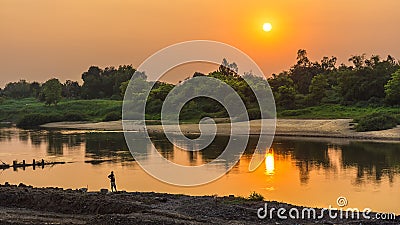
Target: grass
point(254, 196)
point(105, 110)
point(336, 112)
point(91, 110)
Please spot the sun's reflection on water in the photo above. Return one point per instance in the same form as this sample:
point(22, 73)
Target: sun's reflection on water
point(269, 163)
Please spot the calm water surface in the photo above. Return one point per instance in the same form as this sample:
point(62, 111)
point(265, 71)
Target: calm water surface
point(310, 172)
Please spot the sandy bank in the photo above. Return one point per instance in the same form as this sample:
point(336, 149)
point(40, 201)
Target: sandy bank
point(337, 128)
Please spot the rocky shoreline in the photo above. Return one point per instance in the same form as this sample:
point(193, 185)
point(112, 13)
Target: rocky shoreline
point(28, 205)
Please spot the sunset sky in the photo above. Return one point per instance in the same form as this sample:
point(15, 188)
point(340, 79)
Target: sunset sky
point(61, 38)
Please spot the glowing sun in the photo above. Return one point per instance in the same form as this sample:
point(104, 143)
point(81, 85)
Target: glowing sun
point(267, 27)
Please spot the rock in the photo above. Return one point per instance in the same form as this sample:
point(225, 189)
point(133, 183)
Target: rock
point(21, 185)
point(7, 184)
point(161, 199)
point(104, 191)
point(84, 190)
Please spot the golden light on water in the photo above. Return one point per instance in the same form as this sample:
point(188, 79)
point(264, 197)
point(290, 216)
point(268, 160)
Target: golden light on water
point(267, 27)
point(269, 163)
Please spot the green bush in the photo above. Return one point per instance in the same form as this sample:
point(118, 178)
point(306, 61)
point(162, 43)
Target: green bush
point(112, 116)
point(295, 112)
point(72, 116)
point(36, 119)
point(397, 116)
point(254, 113)
point(375, 121)
point(254, 196)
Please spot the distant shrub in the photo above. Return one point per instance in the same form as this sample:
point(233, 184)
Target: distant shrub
point(115, 97)
point(254, 196)
point(254, 113)
point(74, 117)
point(397, 116)
point(376, 121)
point(376, 102)
point(331, 97)
point(153, 117)
point(36, 119)
point(188, 114)
point(112, 116)
point(295, 112)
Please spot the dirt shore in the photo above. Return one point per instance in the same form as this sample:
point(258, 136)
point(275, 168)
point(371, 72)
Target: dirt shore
point(28, 205)
point(335, 128)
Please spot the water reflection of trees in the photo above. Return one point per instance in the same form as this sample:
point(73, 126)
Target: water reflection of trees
point(23, 135)
point(167, 149)
point(373, 160)
point(98, 145)
point(7, 134)
point(107, 145)
point(308, 155)
point(54, 144)
point(55, 141)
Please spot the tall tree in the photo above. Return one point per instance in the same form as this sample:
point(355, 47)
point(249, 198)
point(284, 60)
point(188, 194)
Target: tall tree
point(20, 89)
point(92, 84)
point(285, 97)
point(35, 89)
point(318, 87)
point(303, 72)
point(71, 89)
point(52, 91)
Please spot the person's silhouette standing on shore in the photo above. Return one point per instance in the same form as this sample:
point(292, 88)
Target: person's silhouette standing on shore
point(112, 180)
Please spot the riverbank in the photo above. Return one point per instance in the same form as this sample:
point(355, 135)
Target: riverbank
point(28, 205)
point(331, 128)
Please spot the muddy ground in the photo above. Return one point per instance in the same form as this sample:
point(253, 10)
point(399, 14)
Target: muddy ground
point(27, 205)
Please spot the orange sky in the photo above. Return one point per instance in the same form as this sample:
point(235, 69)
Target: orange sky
point(61, 38)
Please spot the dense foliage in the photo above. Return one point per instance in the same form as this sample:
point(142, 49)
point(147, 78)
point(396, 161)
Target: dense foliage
point(52, 90)
point(367, 82)
point(376, 121)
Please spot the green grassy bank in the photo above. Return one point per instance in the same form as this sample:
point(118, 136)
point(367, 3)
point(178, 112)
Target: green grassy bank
point(30, 112)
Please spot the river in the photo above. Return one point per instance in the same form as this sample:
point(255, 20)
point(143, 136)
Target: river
point(302, 171)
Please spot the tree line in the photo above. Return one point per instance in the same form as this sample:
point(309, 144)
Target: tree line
point(97, 84)
point(370, 81)
point(367, 81)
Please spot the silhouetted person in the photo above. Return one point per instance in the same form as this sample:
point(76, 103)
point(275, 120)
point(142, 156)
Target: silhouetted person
point(112, 180)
